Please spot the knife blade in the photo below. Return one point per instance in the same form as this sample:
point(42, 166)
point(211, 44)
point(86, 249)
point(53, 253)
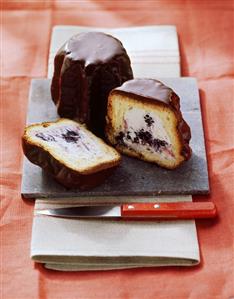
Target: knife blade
point(137, 211)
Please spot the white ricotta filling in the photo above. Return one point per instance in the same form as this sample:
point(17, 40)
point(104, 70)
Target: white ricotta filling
point(136, 120)
point(71, 144)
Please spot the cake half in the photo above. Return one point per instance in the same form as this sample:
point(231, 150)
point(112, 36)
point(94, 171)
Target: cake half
point(70, 153)
point(144, 121)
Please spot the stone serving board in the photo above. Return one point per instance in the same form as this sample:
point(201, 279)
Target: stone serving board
point(133, 177)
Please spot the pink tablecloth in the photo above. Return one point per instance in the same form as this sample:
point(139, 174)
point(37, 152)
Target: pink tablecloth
point(206, 41)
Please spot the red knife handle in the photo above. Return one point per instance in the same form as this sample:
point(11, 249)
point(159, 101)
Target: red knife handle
point(169, 210)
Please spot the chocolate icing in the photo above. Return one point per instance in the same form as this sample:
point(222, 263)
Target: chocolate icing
point(152, 90)
point(93, 48)
point(148, 88)
point(86, 69)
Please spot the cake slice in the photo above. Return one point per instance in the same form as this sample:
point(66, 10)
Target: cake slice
point(144, 121)
point(70, 153)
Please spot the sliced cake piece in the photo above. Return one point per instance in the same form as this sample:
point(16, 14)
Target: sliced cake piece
point(144, 121)
point(72, 154)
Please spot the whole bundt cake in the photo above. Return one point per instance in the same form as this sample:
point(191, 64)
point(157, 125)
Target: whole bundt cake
point(86, 69)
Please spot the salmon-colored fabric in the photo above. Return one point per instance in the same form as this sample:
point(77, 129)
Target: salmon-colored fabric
point(206, 42)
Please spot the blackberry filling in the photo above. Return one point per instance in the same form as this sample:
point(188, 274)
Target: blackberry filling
point(128, 135)
point(71, 136)
point(158, 144)
point(149, 120)
point(119, 138)
point(142, 137)
point(45, 137)
point(136, 140)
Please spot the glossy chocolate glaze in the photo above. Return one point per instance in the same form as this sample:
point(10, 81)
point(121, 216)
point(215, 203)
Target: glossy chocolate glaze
point(148, 88)
point(86, 69)
point(93, 48)
point(155, 91)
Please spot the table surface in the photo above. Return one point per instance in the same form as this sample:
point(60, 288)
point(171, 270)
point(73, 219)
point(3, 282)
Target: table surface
point(206, 36)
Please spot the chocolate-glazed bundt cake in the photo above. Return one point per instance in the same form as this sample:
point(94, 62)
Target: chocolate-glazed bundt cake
point(86, 69)
point(144, 121)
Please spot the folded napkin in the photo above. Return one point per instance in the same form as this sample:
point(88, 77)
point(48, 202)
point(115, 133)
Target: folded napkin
point(71, 245)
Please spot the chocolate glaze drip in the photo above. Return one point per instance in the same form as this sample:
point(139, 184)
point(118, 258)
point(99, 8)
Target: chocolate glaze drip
point(86, 69)
point(154, 90)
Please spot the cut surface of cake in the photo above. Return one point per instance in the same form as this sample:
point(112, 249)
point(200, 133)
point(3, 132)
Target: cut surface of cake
point(71, 153)
point(144, 121)
point(86, 69)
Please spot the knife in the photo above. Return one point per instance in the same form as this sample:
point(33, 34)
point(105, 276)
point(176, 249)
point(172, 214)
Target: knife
point(137, 211)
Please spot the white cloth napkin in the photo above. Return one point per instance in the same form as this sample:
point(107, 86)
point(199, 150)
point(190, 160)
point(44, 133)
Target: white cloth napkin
point(75, 245)
point(71, 244)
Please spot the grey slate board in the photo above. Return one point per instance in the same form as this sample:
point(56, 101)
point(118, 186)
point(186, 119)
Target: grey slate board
point(133, 177)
